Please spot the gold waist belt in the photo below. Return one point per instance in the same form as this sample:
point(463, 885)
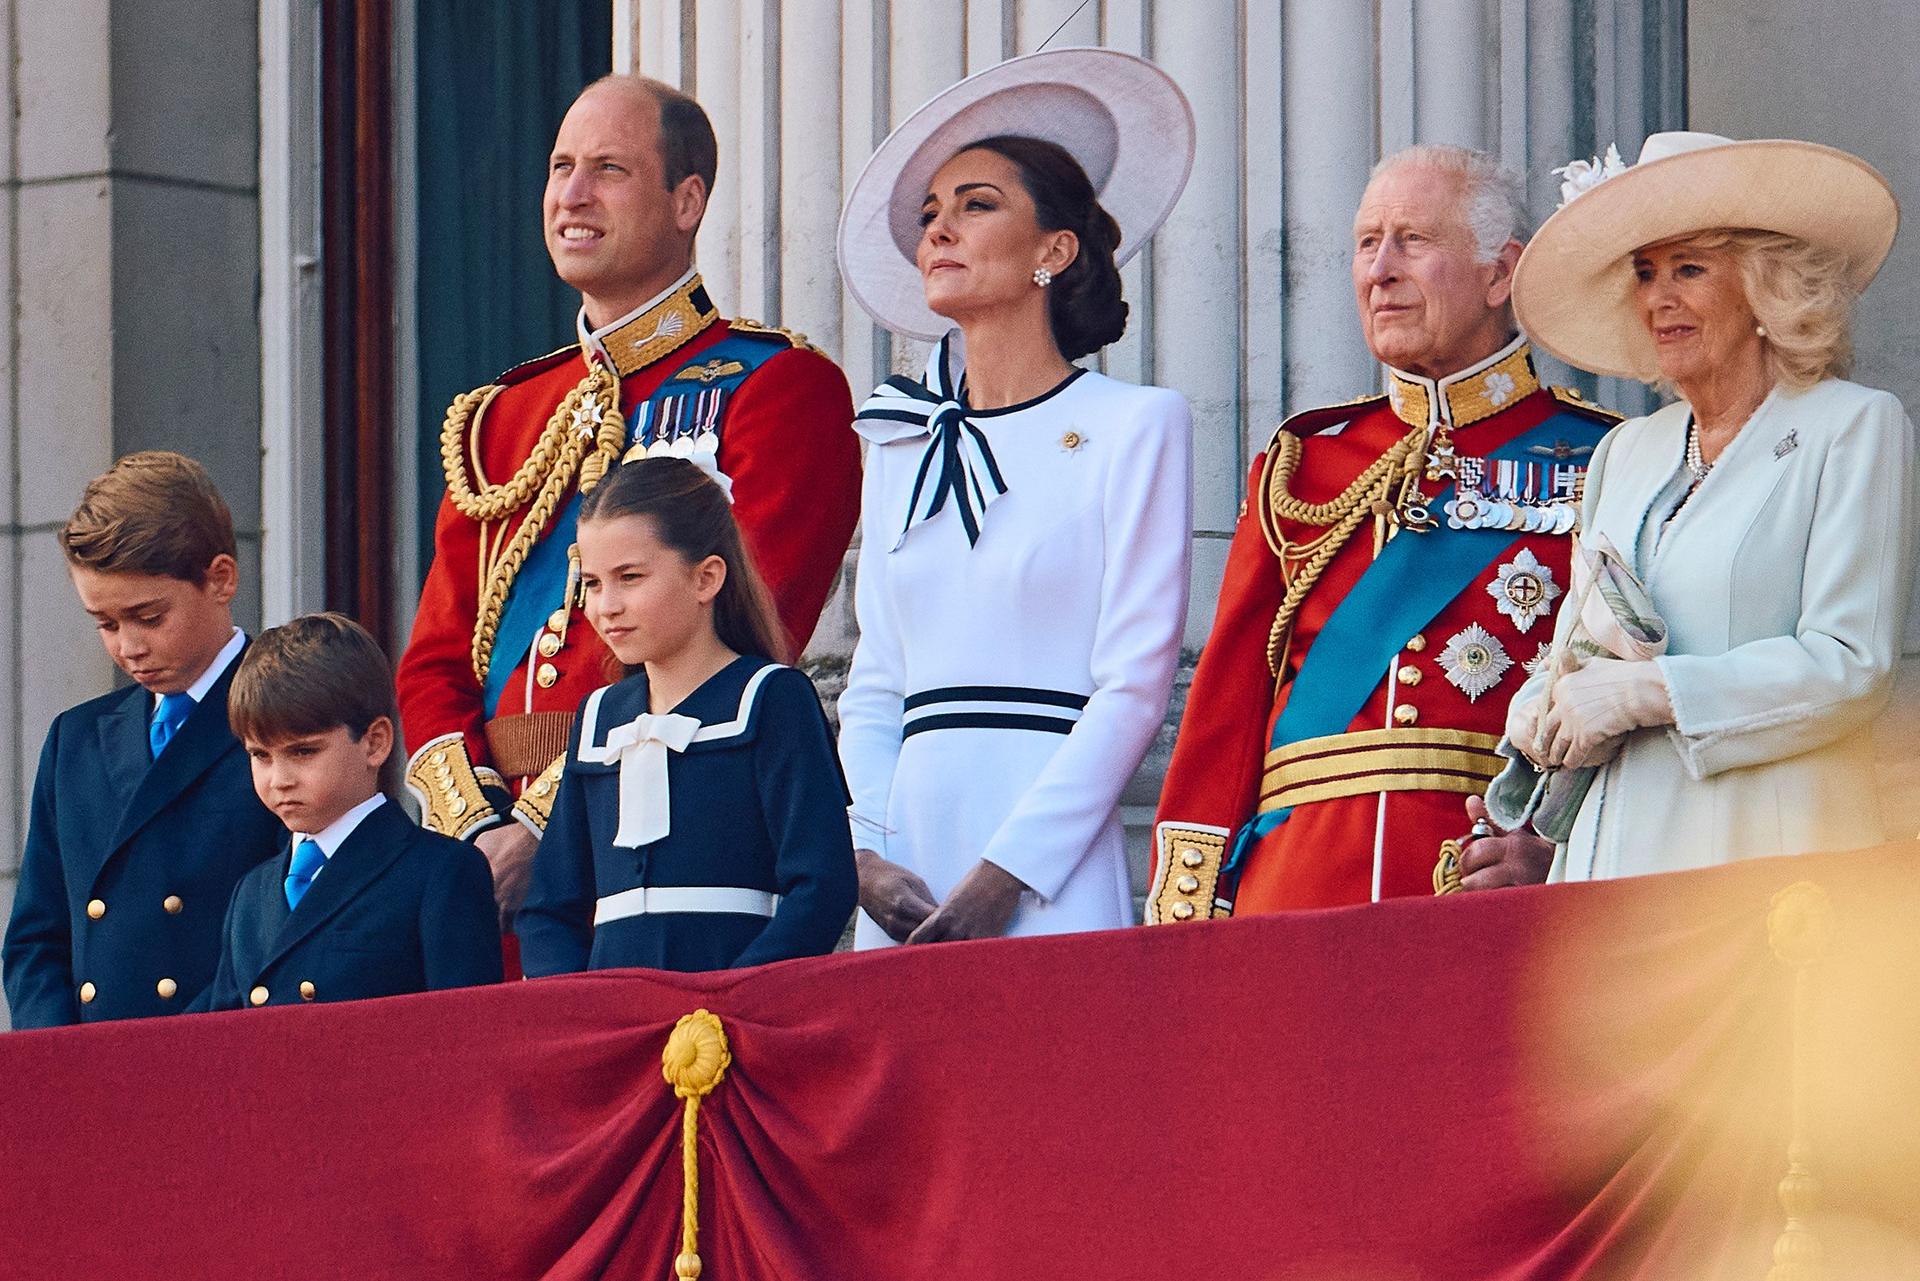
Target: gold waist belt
point(1378, 760)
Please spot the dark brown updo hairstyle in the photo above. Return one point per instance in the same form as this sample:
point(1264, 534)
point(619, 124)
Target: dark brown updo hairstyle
point(1084, 301)
point(691, 514)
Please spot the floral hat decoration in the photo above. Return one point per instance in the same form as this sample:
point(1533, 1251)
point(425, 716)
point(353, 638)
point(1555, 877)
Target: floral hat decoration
point(1573, 291)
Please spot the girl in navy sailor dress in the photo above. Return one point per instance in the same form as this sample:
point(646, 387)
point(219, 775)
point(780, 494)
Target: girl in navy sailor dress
point(700, 821)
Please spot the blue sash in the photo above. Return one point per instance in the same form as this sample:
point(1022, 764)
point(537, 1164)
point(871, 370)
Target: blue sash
point(690, 400)
point(1409, 583)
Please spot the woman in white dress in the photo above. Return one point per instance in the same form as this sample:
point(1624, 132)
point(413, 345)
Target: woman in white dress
point(1021, 586)
point(1770, 511)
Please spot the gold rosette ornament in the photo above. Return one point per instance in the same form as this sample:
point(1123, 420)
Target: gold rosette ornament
point(696, 1059)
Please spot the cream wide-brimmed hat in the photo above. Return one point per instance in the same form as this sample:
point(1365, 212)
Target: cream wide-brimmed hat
point(1121, 117)
point(1573, 289)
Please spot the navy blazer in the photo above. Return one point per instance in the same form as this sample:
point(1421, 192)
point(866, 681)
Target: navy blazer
point(130, 861)
point(396, 909)
point(757, 802)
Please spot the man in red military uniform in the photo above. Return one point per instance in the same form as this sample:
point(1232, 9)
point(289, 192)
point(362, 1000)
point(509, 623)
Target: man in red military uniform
point(501, 654)
point(1391, 579)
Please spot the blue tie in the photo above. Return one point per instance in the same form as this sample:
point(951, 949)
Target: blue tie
point(307, 862)
point(167, 720)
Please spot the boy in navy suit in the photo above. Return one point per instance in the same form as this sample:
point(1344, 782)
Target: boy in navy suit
point(142, 818)
point(360, 901)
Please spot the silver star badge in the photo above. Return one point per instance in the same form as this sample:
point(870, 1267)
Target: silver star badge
point(1474, 661)
point(1524, 590)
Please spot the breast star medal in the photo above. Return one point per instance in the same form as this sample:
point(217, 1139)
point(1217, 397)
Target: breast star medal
point(1474, 661)
point(1524, 590)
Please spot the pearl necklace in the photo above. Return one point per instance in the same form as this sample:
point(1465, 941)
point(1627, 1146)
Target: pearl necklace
point(1696, 461)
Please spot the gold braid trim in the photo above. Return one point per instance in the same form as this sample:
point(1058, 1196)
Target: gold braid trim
point(1366, 496)
point(534, 809)
point(595, 400)
point(493, 502)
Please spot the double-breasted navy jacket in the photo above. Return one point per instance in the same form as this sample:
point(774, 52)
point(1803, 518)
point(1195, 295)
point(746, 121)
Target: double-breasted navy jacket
point(397, 909)
point(757, 802)
point(130, 861)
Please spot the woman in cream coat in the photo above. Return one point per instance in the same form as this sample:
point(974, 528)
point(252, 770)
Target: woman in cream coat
point(1770, 511)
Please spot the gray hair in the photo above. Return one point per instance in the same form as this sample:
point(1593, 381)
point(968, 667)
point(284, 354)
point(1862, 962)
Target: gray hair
point(1493, 198)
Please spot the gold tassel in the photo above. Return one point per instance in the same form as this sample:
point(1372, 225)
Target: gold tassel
point(1800, 927)
point(695, 1060)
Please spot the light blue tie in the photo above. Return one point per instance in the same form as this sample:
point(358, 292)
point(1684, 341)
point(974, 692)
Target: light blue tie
point(307, 862)
point(167, 720)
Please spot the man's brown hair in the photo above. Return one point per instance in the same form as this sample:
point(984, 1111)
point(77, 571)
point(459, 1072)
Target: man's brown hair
point(687, 144)
point(155, 512)
point(310, 675)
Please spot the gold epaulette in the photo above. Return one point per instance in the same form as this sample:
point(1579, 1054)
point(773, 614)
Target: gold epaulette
point(451, 789)
point(535, 806)
point(1572, 399)
point(1187, 879)
point(794, 338)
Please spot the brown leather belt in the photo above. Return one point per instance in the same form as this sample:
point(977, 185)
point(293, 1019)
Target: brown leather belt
point(524, 745)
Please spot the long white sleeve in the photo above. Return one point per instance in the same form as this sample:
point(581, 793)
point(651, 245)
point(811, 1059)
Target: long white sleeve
point(1147, 518)
point(870, 707)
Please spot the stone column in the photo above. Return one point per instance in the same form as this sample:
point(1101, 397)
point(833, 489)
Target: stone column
point(131, 238)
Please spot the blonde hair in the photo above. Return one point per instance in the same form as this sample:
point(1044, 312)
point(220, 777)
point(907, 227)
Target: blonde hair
point(1800, 293)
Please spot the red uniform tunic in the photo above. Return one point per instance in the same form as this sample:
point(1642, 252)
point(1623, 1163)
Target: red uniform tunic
point(1371, 805)
point(795, 465)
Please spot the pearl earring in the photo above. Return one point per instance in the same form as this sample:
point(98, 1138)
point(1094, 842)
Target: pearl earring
point(1761, 330)
point(1042, 277)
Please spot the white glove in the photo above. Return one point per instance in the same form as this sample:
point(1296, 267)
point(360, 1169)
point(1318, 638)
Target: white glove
point(1595, 705)
point(1523, 725)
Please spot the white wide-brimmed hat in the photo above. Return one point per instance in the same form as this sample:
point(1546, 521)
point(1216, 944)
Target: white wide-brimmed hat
point(1121, 117)
point(1573, 289)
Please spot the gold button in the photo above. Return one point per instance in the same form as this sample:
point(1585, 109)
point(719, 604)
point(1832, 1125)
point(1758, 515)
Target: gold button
point(542, 787)
point(557, 620)
point(1416, 643)
point(87, 991)
point(458, 807)
point(549, 645)
point(1409, 676)
point(1071, 440)
point(172, 904)
point(306, 989)
point(166, 988)
point(545, 676)
point(96, 909)
point(1183, 911)
point(439, 757)
point(1191, 857)
point(258, 996)
point(1187, 884)
point(1405, 715)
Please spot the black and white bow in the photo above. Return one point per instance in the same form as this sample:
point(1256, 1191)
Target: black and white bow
point(957, 458)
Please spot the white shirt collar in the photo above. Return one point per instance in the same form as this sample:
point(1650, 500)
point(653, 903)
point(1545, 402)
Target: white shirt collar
point(217, 668)
point(591, 339)
point(335, 834)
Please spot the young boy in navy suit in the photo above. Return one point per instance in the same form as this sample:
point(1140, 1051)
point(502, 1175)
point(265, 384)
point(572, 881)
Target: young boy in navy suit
point(360, 901)
point(142, 818)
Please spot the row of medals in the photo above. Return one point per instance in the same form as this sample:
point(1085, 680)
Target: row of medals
point(1470, 508)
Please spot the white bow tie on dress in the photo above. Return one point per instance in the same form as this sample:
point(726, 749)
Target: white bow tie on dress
point(641, 747)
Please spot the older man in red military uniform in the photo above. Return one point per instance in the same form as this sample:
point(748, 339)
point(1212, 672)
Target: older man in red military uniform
point(501, 654)
point(1391, 579)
